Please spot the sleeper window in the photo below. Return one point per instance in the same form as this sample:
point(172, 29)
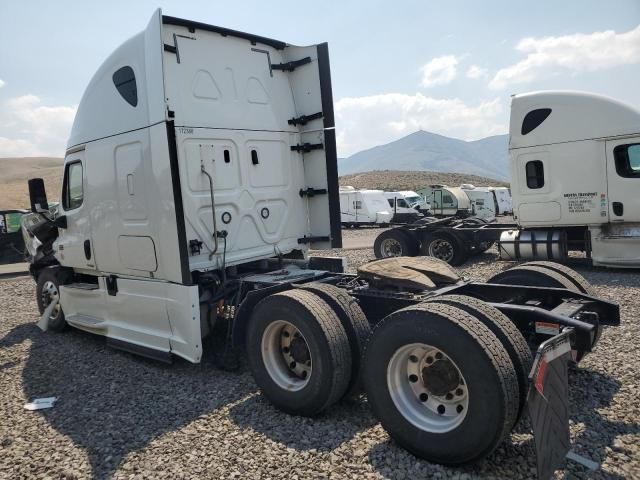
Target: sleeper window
point(535, 174)
point(533, 119)
point(73, 193)
point(125, 81)
point(357, 204)
point(627, 159)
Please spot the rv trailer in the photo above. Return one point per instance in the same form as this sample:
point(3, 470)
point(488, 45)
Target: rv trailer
point(364, 207)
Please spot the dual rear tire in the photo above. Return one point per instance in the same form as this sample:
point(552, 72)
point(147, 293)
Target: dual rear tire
point(441, 382)
point(304, 347)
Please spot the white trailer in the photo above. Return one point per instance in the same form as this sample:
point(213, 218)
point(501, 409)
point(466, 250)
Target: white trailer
point(575, 171)
point(482, 199)
point(200, 169)
point(363, 207)
point(503, 200)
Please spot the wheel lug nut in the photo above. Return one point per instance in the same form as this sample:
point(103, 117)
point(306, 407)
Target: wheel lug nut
point(449, 396)
point(459, 391)
point(439, 355)
point(459, 409)
point(413, 378)
point(304, 374)
point(285, 350)
point(424, 397)
point(413, 359)
point(429, 360)
point(292, 364)
point(441, 409)
point(285, 334)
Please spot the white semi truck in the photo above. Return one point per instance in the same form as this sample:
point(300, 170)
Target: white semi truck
point(575, 171)
point(200, 169)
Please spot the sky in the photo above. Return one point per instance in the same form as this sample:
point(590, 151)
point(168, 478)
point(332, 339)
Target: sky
point(448, 67)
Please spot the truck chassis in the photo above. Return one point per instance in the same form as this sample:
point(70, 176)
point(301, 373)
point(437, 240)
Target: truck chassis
point(455, 239)
point(445, 362)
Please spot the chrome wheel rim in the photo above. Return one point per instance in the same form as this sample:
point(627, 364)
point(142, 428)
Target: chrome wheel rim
point(49, 294)
point(442, 249)
point(427, 388)
point(391, 248)
point(286, 355)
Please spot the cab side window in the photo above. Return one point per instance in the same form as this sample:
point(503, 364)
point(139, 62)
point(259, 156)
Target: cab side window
point(627, 159)
point(535, 174)
point(72, 189)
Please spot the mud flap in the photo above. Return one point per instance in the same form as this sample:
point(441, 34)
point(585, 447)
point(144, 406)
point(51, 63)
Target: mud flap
point(549, 403)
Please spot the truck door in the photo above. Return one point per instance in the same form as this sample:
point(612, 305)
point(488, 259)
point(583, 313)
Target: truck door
point(74, 247)
point(623, 180)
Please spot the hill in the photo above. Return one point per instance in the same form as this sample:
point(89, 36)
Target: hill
point(428, 151)
point(16, 172)
point(391, 180)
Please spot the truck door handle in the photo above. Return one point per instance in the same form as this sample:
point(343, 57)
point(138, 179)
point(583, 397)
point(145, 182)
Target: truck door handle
point(618, 208)
point(87, 249)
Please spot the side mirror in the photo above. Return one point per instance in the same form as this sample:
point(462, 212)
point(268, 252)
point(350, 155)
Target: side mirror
point(38, 196)
point(61, 221)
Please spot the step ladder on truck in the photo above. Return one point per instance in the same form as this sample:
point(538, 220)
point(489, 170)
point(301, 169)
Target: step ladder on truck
point(190, 210)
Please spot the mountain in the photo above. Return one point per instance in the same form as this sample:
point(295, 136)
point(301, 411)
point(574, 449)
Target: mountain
point(422, 150)
point(391, 180)
point(16, 172)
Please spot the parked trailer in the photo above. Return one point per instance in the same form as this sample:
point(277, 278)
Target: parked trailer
point(574, 186)
point(364, 207)
point(483, 201)
point(503, 201)
point(192, 216)
point(447, 201)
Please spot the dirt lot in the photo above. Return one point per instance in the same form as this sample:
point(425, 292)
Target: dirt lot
point(120, 416)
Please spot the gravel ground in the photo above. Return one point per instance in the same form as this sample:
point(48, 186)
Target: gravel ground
point(120, 416)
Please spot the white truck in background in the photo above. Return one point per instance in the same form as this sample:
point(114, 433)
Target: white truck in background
point(407, 206)
point(200, 170)
point(575, 173)
point(364, 207)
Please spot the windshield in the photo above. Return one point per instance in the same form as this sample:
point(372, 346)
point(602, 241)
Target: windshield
point(414, 200)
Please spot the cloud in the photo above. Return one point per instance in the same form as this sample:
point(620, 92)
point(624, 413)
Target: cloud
point(31, 128)
point(439, 71)
point(364, 122)
point(474, 72)
point(578, 53)
point(2, 83)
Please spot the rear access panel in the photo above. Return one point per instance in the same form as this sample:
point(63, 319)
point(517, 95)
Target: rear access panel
point(256, 115)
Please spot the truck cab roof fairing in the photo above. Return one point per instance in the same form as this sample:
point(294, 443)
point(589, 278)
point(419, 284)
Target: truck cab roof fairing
point(574, 116)
point(143, 54)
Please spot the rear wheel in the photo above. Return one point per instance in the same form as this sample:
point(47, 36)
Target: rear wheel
point(395, 243)
point(448, 248)
point(48, 290)
point(547, 274)
point(581, 283)
point(441, 383)
point(298, 352)
point(534, 276)
point(353, 320)
point(508, 334)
